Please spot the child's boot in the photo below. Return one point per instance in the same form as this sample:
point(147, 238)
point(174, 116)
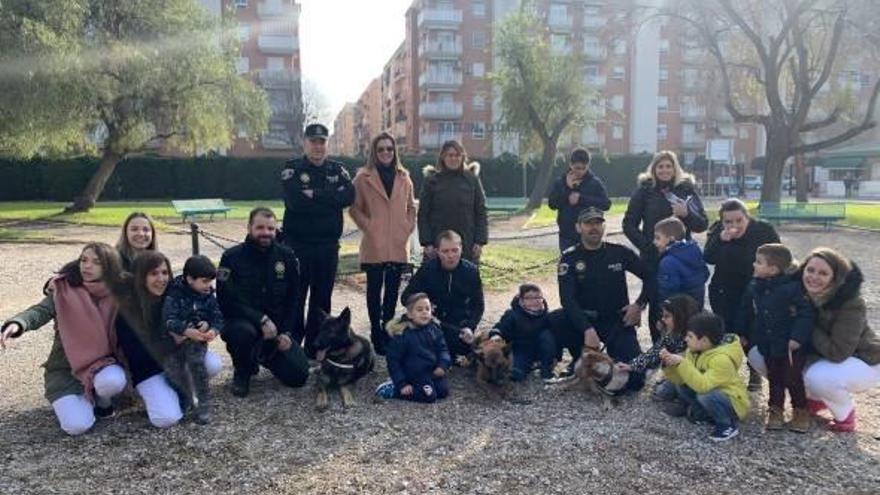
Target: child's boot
point(776, 419)
point(800, 421)
point(845, 425)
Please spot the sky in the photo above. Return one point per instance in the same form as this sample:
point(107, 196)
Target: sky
point(344, 44)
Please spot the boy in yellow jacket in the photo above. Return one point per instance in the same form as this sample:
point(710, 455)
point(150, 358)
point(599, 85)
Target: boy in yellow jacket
point(707, 378)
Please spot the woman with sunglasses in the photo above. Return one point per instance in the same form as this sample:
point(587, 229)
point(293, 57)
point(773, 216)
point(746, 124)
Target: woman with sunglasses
point(384, 210)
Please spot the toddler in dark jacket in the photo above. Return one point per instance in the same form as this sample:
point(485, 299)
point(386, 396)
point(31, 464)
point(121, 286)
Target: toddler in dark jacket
point(777, 318)
point(417, 357)
point(191, 311)
point(526, 325)
point(681, 269)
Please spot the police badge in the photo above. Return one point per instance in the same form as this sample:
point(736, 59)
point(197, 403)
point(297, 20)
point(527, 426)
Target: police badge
point(279, 269)
point(580, 266)
point(304, 178)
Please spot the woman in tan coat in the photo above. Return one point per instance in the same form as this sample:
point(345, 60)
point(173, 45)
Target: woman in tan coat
point(384, 210)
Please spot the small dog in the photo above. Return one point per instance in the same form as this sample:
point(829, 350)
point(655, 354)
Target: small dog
point(493, 362)
point(595, 372)
point(344, 359)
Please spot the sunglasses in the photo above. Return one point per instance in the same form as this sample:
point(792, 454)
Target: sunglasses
point(385, 150)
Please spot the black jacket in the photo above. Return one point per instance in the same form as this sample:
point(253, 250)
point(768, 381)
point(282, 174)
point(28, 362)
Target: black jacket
point(253, 281)
point(519, 327)
point(648, 205)
point(453, 200)
point(316, 220)
point(184, 307)
point(774, 311)
point(733, 259)
point(592, 284)
point(592, 192)
point(457, 295)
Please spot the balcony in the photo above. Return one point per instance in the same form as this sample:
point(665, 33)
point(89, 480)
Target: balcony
point(563, 22)
point(592, 52)
point(276, 141)
point(594, 22)
point(275, 9)
point(439, 18)
point(440, 80)
point(441, 110)
point(280, 79)
point(440, 49)
point(436, 139)
point(693, 114)
point(274, 44)
point(561, 49)
point(595, 81)
point(697, 142)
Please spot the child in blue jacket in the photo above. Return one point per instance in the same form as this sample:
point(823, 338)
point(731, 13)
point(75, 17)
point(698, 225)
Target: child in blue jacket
point(417, 357)
point(681, 269)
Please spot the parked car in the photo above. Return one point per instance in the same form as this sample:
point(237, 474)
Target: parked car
point(754, 182)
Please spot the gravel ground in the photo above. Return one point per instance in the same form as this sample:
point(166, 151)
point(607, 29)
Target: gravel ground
point(275, 442)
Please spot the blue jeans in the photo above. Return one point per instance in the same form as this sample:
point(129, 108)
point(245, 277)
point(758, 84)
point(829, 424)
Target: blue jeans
point(713, 406)
point(542, 347)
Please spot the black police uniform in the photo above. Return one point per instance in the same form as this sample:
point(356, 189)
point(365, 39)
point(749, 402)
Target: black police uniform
point(253, 281)
point(312, 227)
point(593, 290)
point(456, 294)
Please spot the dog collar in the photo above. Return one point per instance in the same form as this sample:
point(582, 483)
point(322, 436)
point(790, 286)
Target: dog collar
point(338, 365)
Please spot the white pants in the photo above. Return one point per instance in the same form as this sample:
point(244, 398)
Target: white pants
point(76, 414)
point(831, 383)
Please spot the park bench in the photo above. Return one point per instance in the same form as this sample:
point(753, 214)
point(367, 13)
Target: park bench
point(505, 204)
point(825, 213)
point(193, 207)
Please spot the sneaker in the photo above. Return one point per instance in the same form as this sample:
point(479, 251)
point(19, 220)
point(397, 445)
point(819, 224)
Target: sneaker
point(846, 425)
point(775, 419)
point(723, 433)
point(241, 384)
point(816, 406)
point(104, 412)
point(699, 421)
point(202, 415)
point(800, 421)
point(385, 390)
point(557, 379)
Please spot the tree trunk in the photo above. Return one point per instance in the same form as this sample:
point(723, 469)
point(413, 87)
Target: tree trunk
point(545, 173)
point(801, 179)
point(778, 148)
point(89, 196)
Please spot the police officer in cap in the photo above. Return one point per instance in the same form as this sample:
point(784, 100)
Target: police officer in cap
point(316, 190)
point(257, 288)
point(595, 297)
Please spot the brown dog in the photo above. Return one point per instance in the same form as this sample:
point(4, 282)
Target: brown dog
point(493, 362)
point(595, 372)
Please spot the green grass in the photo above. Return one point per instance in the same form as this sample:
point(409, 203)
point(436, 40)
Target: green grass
point(505, 265)
point(114, 213)
point(544, 216)
point(863, 215)
point(14, 235)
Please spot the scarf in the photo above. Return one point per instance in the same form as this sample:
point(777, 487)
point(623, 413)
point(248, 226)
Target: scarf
point(387, 174)
point(84, 317)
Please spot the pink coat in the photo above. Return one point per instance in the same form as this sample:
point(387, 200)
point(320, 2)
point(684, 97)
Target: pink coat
point(386, 223)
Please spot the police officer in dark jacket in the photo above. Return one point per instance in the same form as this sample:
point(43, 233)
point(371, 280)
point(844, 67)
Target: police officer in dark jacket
point(316, 190)
point(577, 189)
point(258, 291)
point(595, 297)
point(454, 286)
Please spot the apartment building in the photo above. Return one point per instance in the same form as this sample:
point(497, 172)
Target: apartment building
point(368, 116)
point(396, 105)
point(268, 31)
point(344, 140)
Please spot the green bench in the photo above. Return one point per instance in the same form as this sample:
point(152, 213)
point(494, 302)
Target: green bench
point(824, 213)
point(193, 207)
point(505, 204)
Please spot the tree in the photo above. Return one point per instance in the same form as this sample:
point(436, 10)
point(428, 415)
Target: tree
point(542, 93)
point(788, 49)
point(315, 105)
point(113, 78)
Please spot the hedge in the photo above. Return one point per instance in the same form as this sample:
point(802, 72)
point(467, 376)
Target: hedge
point(152, 177)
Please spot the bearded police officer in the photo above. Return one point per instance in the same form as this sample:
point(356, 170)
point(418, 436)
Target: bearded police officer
point(316, 190)
point(594, 294)
point(257, 288)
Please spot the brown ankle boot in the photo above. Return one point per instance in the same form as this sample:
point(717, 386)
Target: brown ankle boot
point(776, 419)
point(800, 421)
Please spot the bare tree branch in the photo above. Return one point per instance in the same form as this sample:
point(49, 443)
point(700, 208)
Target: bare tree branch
point(831, 119)
point(867, 123)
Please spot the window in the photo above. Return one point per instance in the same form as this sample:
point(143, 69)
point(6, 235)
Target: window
point(243, 31)
point(478, 40)
point(479, 102)
point(662, 132)
point(617, 103)
point(619, 47)
point(478, 9)
point(592, 10)
point(617, 132)
point(662, 103)
point(743, 133)
point(243, 65)
point(690, 157)
point(240, 3)
point(479, 130)
point(663, 46)
point(618, 72)
point(558, 11)
point(275, 63)
point(478, 69)
point(559, 43)
point(664, 74)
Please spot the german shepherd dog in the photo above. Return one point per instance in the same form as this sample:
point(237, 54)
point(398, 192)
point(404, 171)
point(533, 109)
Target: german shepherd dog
point(595, 372)
point(343, 357)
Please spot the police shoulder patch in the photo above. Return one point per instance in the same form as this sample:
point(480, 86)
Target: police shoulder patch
point(570, 249)
point(287, 174)
point(344, 173)
point(562, 269)
point(223, 274)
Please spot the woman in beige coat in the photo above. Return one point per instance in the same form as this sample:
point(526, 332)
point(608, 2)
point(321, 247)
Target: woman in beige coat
point(384, 210)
